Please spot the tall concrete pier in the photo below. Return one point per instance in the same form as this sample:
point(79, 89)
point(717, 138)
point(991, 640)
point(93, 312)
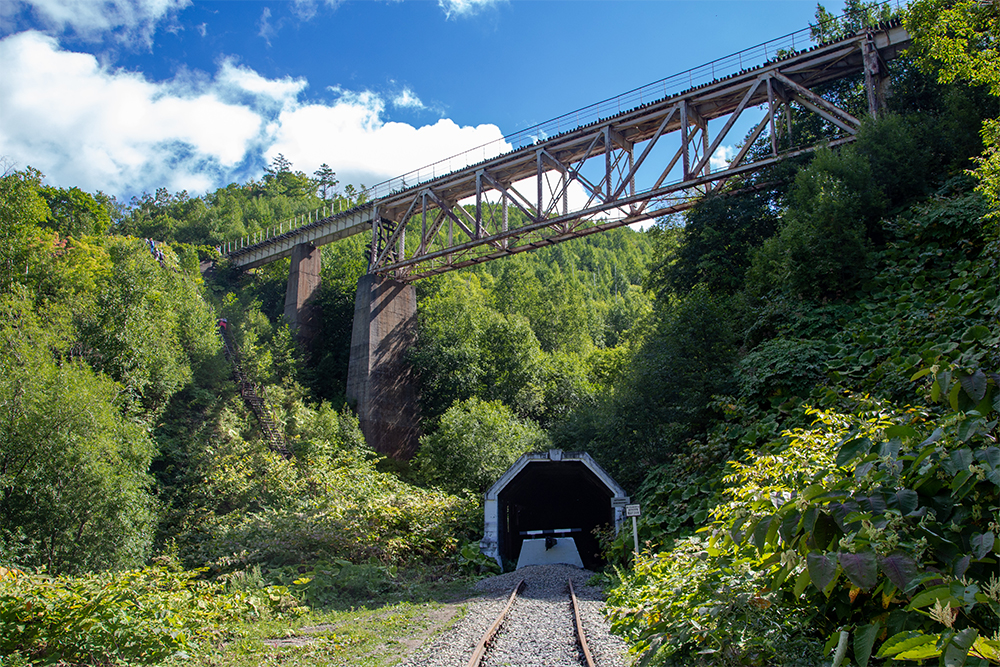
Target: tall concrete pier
point(379, 381)
point(303, 281)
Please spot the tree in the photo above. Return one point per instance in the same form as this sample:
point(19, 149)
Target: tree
point(325, 181)
point(716, 242)
point(958, 39)
point(73, 212)
point(857, 15)
point(475, 444)
point(74, 491)
point(22, 211)
point(279, 179)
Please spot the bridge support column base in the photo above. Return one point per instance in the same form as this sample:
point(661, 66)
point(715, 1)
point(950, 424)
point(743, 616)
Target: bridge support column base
point(303, 281)
point(379, 381)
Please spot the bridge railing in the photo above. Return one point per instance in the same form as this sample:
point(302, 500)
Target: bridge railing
point(719, 68)
point(335, 207)
point(671, 85)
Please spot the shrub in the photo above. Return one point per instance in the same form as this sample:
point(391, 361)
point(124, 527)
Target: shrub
point(476, 442)
point(137, 616)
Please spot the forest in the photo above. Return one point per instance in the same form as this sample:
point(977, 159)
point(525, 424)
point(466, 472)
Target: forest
point(798, 378)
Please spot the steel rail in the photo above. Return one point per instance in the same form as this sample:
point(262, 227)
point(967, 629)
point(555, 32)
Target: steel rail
point(480, 652)
point(579, 628)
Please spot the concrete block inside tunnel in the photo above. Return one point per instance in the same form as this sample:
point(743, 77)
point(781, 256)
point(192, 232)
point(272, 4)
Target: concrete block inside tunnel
point(554, 494)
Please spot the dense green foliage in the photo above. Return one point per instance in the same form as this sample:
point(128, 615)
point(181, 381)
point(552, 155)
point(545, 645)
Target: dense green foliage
point(474, 445)
point(129, 617)
point(798, 378)
point(863, 527)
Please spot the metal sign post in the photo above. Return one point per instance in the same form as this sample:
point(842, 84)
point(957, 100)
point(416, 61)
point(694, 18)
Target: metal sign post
point(634, 511)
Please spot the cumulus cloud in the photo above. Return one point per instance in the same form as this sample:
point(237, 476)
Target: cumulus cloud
point(352, 137)
point(127, 20)
point(85, 124)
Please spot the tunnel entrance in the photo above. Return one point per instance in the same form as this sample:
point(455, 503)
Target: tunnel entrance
point(562, 494)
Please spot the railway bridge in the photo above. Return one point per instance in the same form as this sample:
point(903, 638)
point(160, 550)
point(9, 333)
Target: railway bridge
point(643, 155)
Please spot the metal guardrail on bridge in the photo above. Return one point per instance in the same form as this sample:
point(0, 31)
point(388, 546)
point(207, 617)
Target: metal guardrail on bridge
point(325, 226)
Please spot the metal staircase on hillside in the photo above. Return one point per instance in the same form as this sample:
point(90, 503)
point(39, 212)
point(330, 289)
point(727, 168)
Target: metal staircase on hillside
point(248, 392)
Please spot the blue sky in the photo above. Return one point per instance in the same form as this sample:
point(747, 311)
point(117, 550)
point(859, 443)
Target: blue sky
point(126, 96)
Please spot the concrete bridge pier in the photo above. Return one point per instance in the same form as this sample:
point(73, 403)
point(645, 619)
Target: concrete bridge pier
point(379, 381)
point(303, 281)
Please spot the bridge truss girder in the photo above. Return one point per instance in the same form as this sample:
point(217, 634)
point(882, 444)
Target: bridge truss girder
point(463, 218)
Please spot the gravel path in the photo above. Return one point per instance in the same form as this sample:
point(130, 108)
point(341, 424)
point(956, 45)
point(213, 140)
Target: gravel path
point(538, 631)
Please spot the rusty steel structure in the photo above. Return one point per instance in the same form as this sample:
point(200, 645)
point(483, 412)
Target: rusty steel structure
point(632, 166)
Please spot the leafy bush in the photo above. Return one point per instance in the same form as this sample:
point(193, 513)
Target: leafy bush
point(136, 617)
point(683, 607)
point(351, 512)
point(880, 523)
point(780, 369)
point(476, 442)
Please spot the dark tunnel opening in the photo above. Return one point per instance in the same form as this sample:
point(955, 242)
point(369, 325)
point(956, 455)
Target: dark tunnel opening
point(555, 495)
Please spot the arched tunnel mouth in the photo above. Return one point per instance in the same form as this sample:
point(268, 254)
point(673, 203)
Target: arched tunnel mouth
point(555, 496)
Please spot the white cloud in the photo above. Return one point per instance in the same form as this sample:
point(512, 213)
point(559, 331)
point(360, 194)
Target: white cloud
point(305, 10)
point(352, 137)
point(456, 8)
point(88, 125)
point(267, 31)
point(128, 20)
point(407, 100)
point(245, 80)
point(720, 159)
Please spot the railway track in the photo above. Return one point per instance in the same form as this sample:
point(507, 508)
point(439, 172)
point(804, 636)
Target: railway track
point(480, 653)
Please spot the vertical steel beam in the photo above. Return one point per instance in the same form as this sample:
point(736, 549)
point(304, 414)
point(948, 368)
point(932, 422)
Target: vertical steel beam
point(505, 218)
point(538, 167)
point(607, 161)
point(401, 252)
point(873, 75)
point(373, 255)
point(685, 159)
point(706, 159)
point(479, 204)
point(770, 115)
point(564, 183)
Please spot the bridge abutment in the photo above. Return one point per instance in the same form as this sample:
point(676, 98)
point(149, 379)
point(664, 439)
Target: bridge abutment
point(303, 281)
point(379, 380)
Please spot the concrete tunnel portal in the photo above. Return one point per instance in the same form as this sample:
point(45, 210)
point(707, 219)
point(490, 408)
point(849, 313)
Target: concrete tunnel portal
point(552, 494)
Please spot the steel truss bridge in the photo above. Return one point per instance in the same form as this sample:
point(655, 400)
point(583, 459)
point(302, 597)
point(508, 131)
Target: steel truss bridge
point(584, 180)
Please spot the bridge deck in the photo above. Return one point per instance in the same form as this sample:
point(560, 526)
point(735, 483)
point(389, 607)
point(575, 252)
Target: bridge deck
point(794, 75)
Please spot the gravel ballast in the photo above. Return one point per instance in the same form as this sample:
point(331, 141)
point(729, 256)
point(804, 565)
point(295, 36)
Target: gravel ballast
point(539, 629)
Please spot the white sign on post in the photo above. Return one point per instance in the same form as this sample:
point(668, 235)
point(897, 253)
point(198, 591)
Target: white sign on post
point(634, 511)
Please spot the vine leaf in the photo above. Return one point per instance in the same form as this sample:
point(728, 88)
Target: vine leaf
point(982, 544)
point(851, 449)
point(903, 642)
point(957, 650)
point(822, 569)
point(864, 640)
point(861, 568)
point(900, 568)
point(974, 385)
